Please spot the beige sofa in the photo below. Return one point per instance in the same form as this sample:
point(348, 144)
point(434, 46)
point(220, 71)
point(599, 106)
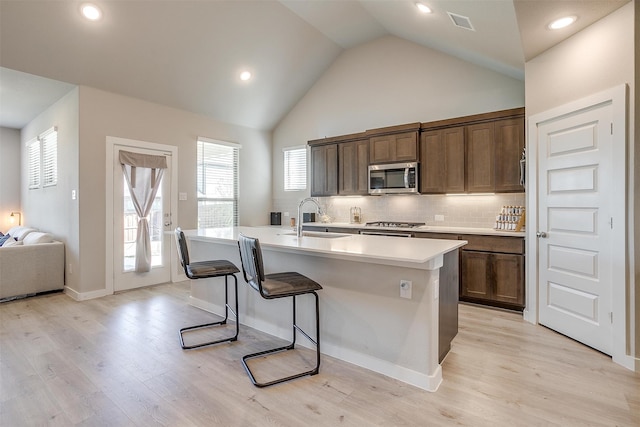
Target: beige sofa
point(32, 265)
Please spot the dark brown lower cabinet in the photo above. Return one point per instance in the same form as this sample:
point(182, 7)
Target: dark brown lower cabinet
point(491, 269)
point(492, 278)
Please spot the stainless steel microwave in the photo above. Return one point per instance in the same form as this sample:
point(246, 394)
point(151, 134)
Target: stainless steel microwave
point(393, 178)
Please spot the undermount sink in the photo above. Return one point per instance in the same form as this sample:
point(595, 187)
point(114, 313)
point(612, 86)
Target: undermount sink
point(320, 234)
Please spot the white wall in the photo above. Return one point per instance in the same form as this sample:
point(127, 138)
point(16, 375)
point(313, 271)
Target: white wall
point(600, 57)
point(105, 114)
point(9, 176)
point(51, 208)
point(387, 82)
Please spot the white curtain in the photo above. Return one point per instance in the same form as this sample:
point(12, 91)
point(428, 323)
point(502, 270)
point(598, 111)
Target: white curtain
point(143, 173)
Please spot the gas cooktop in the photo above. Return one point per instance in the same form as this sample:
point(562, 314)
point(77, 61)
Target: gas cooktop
point(395, 224)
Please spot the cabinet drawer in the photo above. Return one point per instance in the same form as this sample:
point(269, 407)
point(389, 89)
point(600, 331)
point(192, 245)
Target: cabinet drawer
point(500, 244)
point(444, 236)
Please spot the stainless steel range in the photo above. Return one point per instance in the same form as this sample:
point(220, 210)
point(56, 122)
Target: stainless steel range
point(390, 228)
point(394, 224)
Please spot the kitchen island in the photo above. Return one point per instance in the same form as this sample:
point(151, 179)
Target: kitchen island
point(363, 319)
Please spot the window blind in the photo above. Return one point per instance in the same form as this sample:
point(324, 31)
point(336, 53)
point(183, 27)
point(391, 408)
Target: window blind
point(295, 169)
point(217, 182)
point(33, 154)
point(49, 157)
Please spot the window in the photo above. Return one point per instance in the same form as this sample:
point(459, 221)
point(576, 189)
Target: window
point(295, 168)
point(217, 181)
point(42, 155)
point(49, 157)
point(33, 153)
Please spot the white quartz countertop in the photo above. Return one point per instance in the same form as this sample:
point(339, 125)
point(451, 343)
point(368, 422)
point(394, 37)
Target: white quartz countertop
point(424, 229)
point(372, 249)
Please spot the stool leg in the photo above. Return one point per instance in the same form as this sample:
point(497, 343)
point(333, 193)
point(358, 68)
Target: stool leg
point(219, 323)
point(236, 311)
point(290, 346)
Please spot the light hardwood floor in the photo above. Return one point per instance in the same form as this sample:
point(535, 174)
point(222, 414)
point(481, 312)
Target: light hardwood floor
point(117, 361)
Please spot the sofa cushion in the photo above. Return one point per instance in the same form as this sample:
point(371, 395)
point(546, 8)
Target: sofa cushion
point(11, 242)
point(14, 229)
point(4, 239)
point(36, 237)
point(21, 232)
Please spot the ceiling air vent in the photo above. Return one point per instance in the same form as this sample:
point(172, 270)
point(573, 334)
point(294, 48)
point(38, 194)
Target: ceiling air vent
point(461, 21)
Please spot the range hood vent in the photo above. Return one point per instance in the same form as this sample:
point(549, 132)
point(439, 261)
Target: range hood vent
point(461, 21)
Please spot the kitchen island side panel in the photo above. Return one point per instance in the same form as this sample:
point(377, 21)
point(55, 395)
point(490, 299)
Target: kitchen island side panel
point(448, 308)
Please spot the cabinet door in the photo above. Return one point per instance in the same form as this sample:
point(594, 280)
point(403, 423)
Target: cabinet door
point(324, 170)
point(399, 147)
point(475, 268)
point(480, 148)
point(442, 161)
point(509, 146)
point(432, 167)
point(353, 162)
point(508, 278)
point(406, 147)
point(381, 149)
point(454, 160)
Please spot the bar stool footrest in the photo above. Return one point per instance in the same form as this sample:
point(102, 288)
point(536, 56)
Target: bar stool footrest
point(291, 346)
point(208, 325)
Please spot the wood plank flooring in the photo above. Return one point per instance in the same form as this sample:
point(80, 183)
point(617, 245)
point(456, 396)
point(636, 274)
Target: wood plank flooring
point(117, 361)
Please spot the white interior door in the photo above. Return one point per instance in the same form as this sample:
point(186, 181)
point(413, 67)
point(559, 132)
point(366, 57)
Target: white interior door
point(575, 225)
point(125, 222)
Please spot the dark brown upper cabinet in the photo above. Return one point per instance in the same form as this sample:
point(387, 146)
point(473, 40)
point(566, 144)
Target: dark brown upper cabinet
point(353, 165)
point(509, 137)
point(324, 170)
point(481, 149)
point(442, 161)
point(394, 144)
point(473, 154)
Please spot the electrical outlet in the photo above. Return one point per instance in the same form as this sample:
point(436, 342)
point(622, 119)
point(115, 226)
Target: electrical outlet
point(286, 214)
point(405, 289)
point(439, 217)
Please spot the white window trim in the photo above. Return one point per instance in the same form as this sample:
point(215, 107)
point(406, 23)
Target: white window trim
point(39, 160)
point(219, 142)
point(34, 165)
point(306, 177)
point(236, 197)
point(49, 159)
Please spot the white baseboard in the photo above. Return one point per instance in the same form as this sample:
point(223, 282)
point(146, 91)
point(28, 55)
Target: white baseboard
point(409, 376)
point(83, 296)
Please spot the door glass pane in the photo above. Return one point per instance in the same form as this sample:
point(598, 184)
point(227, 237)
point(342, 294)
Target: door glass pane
point(131, 230)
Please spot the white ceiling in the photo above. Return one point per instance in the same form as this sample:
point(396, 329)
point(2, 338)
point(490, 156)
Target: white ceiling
point(187, 54)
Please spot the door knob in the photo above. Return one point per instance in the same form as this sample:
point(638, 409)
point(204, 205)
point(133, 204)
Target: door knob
point(541, 234)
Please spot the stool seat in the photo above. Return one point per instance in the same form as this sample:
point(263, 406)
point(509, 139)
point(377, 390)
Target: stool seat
point(204, 269)
point(287, 284)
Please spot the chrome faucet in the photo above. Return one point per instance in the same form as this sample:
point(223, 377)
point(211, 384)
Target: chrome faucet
point(308, 199)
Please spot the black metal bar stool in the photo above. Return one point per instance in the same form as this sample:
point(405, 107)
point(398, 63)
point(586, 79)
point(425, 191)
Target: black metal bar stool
point(277, 285)
point(202, 270)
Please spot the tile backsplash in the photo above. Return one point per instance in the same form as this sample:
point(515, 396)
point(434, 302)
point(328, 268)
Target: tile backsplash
point(477, 211)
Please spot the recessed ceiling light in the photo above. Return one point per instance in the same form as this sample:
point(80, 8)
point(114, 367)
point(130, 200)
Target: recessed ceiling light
point(91, 11)
point(245, 75)
point(423, 8)
point(562, 22)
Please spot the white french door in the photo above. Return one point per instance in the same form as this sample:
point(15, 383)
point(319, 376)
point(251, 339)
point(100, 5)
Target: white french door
point(125, 223)
point(575, 223)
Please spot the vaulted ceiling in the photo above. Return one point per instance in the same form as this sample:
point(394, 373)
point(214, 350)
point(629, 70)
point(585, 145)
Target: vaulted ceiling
point(188, 54)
